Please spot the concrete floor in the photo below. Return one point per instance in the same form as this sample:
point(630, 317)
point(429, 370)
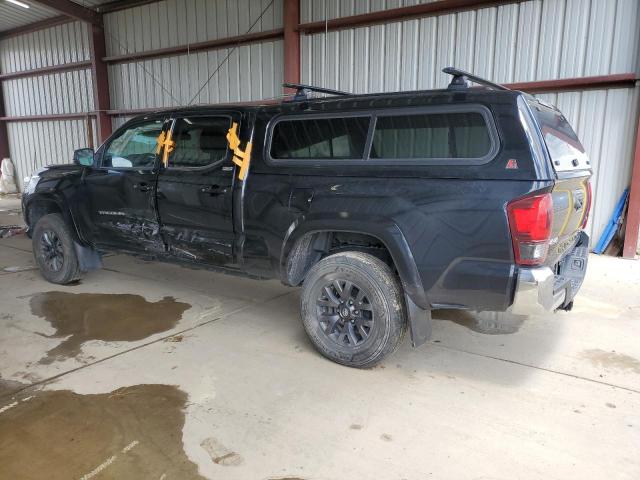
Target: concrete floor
point(170, 373)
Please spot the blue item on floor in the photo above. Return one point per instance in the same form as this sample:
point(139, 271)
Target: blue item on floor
point(612, 226)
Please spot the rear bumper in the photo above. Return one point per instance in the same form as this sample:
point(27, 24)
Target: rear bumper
point(540, 290)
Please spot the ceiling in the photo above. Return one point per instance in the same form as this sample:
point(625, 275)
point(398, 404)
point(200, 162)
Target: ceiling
point(13, 16)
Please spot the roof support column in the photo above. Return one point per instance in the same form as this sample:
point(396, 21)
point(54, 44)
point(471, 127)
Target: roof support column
point(4, 137)
point(633, 211)
point(291, 19)
point(100, 75)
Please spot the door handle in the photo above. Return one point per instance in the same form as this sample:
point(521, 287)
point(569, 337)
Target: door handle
point(142, 187)
point(213, 190)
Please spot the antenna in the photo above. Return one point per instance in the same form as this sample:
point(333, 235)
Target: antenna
point(303, 91)
point(460, 80)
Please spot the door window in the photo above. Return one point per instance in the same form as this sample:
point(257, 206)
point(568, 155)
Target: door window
point(436, 135)
point(134, 147)
point(199, 141)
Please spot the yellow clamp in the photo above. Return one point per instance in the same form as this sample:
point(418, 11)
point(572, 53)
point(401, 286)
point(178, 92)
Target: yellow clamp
point(240, 158)
point(164, 140)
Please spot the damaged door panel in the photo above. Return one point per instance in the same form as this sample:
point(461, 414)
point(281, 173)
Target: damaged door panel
point(119, 206)
point(195, 190)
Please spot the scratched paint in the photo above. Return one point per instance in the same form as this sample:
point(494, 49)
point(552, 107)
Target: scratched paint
point(132, 432)
point(80, 317)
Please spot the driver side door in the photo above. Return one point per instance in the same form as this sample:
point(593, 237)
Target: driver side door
point(120, 193)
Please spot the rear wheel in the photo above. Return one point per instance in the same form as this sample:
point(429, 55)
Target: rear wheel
point(352, 309)
point(54, 251)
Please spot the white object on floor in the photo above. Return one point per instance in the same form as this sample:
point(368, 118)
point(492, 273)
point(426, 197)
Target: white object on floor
point(7, 180)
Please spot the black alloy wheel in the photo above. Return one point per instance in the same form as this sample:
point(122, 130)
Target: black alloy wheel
point(345, 313)
point(51, 251)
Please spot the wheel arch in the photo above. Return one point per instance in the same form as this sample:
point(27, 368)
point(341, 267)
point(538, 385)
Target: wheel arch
point(39, 205)
point(300, 250)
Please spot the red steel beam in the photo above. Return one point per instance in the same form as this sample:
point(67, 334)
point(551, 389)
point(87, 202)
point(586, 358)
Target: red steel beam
point(197, 47)
point(73, 10)
point(633, 211)
point(35, 26)
point(122, 5)
point(620, 80)
point(48, 118)
point(291, 19)
point(65, 67)
point(100, 76)
point(439, 7)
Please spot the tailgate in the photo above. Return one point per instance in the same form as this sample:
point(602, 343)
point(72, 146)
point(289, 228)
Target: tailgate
point(571, 200)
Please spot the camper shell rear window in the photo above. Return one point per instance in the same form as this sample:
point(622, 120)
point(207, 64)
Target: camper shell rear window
point(563, 145)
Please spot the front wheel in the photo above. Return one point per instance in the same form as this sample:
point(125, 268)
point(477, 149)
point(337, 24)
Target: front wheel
point(54, 251)
point(352, 309)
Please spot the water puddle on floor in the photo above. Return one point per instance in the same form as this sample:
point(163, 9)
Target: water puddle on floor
point(132, 432)
point(489, 323)
point(102, 316)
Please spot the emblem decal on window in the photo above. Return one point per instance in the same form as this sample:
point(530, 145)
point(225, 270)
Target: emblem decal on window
point(512, 164)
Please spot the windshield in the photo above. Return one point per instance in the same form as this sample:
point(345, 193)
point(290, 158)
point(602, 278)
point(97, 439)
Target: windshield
point(567, 153)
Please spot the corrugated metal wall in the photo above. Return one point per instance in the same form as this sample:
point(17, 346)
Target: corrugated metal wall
point(251, 72)
point(35, 144)
point(528, 41)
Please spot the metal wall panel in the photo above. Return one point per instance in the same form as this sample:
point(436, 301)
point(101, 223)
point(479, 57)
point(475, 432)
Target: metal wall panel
point(64, 92)
point(173, 23)
point(35, 144)
point(529, 41)
point(251, 72)
point(45, 48)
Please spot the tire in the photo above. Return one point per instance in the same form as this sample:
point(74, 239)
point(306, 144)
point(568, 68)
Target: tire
point(54, 250)
point(360, 334)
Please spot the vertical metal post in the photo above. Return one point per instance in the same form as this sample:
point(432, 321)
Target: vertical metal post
point(100, 81)
point(633, 212)
point(4, 137)
point(90, 142)
point(291, 20)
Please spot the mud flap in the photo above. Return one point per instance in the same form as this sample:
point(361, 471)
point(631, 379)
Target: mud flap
point(88, 258)
point(419, 322)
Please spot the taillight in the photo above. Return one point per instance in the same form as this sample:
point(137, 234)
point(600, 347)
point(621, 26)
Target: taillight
point(530, 220)
point(587, 208)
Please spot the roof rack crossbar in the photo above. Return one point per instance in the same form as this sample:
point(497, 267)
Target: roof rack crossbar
point(460, 78)
point(302, 90)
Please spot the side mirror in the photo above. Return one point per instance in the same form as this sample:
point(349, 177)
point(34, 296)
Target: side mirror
point(84, 157)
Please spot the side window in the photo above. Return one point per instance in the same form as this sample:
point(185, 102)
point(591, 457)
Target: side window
point(200, 141)
point(431, 135)
point(134, 147)
point(320, 138)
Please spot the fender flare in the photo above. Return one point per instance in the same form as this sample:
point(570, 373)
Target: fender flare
point(61, 204)
point(381, 228)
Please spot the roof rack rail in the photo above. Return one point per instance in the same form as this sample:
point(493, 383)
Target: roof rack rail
point(303, 91)
point(460, 80)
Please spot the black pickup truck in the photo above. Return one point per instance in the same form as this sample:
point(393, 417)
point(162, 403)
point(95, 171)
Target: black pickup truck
point(382, 206)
